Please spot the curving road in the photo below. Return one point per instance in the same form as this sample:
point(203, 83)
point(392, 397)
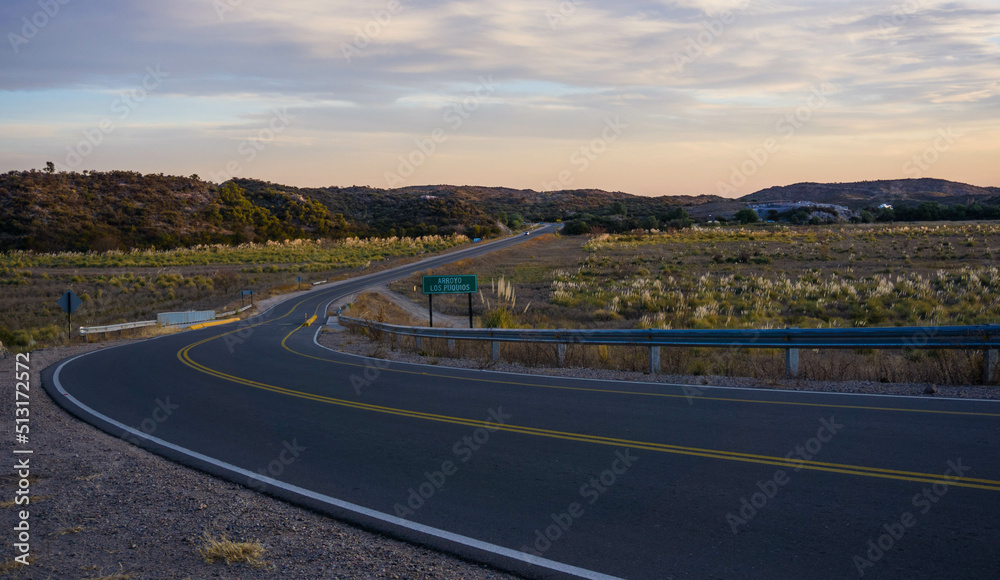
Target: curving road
point(554, 477)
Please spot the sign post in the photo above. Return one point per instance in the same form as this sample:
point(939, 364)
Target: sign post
point(246, 293)
point(461, 284)
point(69, 302)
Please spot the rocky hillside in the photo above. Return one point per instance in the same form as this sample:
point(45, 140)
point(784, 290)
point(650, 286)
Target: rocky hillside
point(50, 211)
point(862, 194)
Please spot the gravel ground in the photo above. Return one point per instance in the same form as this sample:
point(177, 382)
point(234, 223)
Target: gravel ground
point(356, 344)
point(417, 311)
point(104, 508)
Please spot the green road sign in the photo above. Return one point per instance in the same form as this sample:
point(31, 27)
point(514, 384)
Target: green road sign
point(465, 284)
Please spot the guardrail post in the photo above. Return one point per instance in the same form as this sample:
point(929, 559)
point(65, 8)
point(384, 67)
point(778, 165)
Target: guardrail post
point(561, 354)
point(494, 351)
point(654, 360)
point(451, 346)
point(990, 359)
point(420, 343)
point(792, 362)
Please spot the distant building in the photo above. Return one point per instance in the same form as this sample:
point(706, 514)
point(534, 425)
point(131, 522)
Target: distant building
point(428, 197)
point(885, 206)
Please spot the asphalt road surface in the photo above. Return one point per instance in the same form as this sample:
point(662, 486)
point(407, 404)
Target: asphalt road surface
point(556, 477)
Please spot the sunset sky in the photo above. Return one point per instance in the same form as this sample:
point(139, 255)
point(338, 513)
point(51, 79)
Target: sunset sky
point(652, 98)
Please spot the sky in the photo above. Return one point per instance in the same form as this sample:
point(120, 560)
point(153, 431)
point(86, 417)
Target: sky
point(666, 97)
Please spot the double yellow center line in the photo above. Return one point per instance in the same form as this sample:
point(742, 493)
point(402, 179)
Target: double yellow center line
point(992, 485)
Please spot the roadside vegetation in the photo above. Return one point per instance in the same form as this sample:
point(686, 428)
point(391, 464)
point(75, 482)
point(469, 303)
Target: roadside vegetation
point(130, 286)
point(221, 549)
point(763, 276)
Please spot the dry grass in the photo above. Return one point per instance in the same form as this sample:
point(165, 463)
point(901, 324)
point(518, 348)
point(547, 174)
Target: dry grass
point(222, 549)
point(375, 306)
point(68, 531)
point(121, 287)
point(881, 366)
point(9, 566)
point(121, 575)
point(765, 277)
point(34, 498)
point(527, 266)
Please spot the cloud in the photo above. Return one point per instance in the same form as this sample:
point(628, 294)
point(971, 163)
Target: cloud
point(685, 73)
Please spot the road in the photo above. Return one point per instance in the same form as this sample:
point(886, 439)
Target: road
point(555, 477)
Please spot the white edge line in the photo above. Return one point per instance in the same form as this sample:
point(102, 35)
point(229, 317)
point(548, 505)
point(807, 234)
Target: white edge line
point(387, 518)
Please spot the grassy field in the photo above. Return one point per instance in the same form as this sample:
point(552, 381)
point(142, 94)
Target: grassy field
point(130, 286)
point(767, 276)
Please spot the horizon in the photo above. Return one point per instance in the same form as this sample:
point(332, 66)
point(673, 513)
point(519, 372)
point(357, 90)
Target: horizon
point(651, 98)
point(433, 185)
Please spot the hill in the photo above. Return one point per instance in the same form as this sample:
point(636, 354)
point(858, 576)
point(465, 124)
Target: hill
point(862, 194)
point(47, 211)
point(50, 211)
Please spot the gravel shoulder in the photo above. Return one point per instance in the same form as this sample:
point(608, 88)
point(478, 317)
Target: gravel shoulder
point(103, 508)
point(417, 311)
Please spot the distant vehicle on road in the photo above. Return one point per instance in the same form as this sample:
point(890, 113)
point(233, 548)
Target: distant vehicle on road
point(526, 233)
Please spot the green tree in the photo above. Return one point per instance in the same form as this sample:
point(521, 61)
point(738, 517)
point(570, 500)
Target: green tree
point(746, 216)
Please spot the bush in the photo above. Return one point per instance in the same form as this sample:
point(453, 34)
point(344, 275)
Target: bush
point(746, 216)
point(499, 318)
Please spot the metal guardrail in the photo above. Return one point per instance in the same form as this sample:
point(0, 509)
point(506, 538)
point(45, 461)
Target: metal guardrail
point(114, 327)
point(981, 337)
point(129, 325)
point(188, 317)
point(233, 312)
